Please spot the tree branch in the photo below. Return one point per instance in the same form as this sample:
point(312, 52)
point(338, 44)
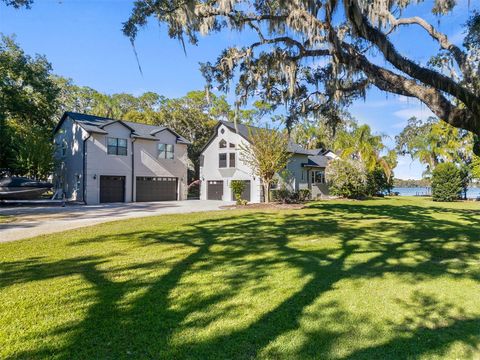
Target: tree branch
point(459, 56)
point(426, 76)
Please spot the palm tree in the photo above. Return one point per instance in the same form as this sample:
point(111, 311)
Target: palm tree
point(360, 144)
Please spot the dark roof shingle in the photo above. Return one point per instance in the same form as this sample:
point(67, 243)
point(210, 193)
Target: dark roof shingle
point(92, 123)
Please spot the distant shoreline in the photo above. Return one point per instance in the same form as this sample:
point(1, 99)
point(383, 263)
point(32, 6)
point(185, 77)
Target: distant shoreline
point(472, 192)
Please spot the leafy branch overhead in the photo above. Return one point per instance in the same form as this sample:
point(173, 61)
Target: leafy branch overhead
point(317, 55)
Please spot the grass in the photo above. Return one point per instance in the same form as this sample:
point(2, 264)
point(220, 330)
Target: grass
point(380, 279)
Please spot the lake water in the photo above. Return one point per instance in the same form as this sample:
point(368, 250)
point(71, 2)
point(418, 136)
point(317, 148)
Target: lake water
point(472, 193)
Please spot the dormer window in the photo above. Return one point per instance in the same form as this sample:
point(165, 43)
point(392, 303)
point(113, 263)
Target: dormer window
point(222, 144)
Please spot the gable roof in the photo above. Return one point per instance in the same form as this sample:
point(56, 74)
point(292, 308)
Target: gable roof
point(244, 131)
point(96, 124)
point(320, 161)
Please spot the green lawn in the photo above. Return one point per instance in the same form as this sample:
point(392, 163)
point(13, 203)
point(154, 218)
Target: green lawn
point(380, 279)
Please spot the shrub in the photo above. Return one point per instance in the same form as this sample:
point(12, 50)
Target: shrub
point(347, 178)
point(281, 195)
point(446, 182)
point(286, 196)
point(378, 182)
point(303, 195)
point(238, 186)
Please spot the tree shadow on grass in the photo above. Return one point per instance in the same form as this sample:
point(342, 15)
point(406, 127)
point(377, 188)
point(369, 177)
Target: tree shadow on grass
point(248, 248)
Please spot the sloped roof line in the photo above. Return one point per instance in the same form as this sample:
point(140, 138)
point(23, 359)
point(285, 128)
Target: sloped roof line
point(93, 123)
point(295, 148)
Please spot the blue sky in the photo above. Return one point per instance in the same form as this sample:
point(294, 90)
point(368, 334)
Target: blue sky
point(83, 41)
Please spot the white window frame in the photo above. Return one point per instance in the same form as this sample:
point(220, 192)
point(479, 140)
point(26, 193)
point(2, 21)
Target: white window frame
point(314, 178)
point(166, 151)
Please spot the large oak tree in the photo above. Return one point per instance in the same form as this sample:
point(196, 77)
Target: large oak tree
point(316, 55)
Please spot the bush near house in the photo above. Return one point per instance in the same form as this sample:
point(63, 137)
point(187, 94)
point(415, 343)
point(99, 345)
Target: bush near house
point(286, 196)
point(446, 182)
point(238, 187)
point(347, 178)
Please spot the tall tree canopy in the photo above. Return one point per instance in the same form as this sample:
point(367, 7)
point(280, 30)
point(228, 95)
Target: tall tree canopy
point(18, 3)
point(286, 65)
point(28, 102)
point(433, 142)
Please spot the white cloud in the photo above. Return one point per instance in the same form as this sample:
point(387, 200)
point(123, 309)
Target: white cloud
point(408, 168)
point(420, 112)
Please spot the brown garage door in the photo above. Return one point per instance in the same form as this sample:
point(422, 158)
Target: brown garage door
point(156, 188)
point(215, 190)
point(245, 193)
point(112, 189)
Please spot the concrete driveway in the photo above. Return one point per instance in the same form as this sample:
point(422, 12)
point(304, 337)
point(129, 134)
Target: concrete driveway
point(31, 221)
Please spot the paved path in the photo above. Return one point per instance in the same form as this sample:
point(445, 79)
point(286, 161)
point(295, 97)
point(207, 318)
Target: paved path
point(31, 221)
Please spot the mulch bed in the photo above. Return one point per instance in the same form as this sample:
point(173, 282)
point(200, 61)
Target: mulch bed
point(274, 206)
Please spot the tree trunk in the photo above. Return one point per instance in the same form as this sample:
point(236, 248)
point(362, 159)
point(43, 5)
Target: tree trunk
point(266, 192)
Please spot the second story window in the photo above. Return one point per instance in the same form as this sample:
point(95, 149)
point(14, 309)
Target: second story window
point(166, 151)
point(64, 148)
point(232, 160)
point(222, 160)
point(116, 146)
point(222, 144)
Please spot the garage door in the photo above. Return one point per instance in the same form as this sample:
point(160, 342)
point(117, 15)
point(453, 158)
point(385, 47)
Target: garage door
point(246, 191)
point(112, 189)
point(215, 190)
point(156, 188)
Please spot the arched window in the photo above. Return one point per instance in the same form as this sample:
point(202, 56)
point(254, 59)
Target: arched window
point(222, 144)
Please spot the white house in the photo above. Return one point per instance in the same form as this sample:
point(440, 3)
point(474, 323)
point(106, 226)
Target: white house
point(103, 160)
point(220, 163)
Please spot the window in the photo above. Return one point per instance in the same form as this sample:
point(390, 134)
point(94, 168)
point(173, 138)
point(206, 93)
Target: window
point(232, 160)
point(318, 177)
point(232, 145)
point(77, 182)
point(170, 153)
point(166, 151)
point(64, 147)
point(116, 146)
point(222, 160)
point(222, 144)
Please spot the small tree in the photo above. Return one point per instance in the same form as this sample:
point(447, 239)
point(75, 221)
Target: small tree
point(238, 186)
point(347, 178)
point(446, 182)
point(266, 155)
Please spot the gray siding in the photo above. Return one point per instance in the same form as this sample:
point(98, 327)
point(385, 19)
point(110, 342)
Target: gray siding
point(70, 174)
